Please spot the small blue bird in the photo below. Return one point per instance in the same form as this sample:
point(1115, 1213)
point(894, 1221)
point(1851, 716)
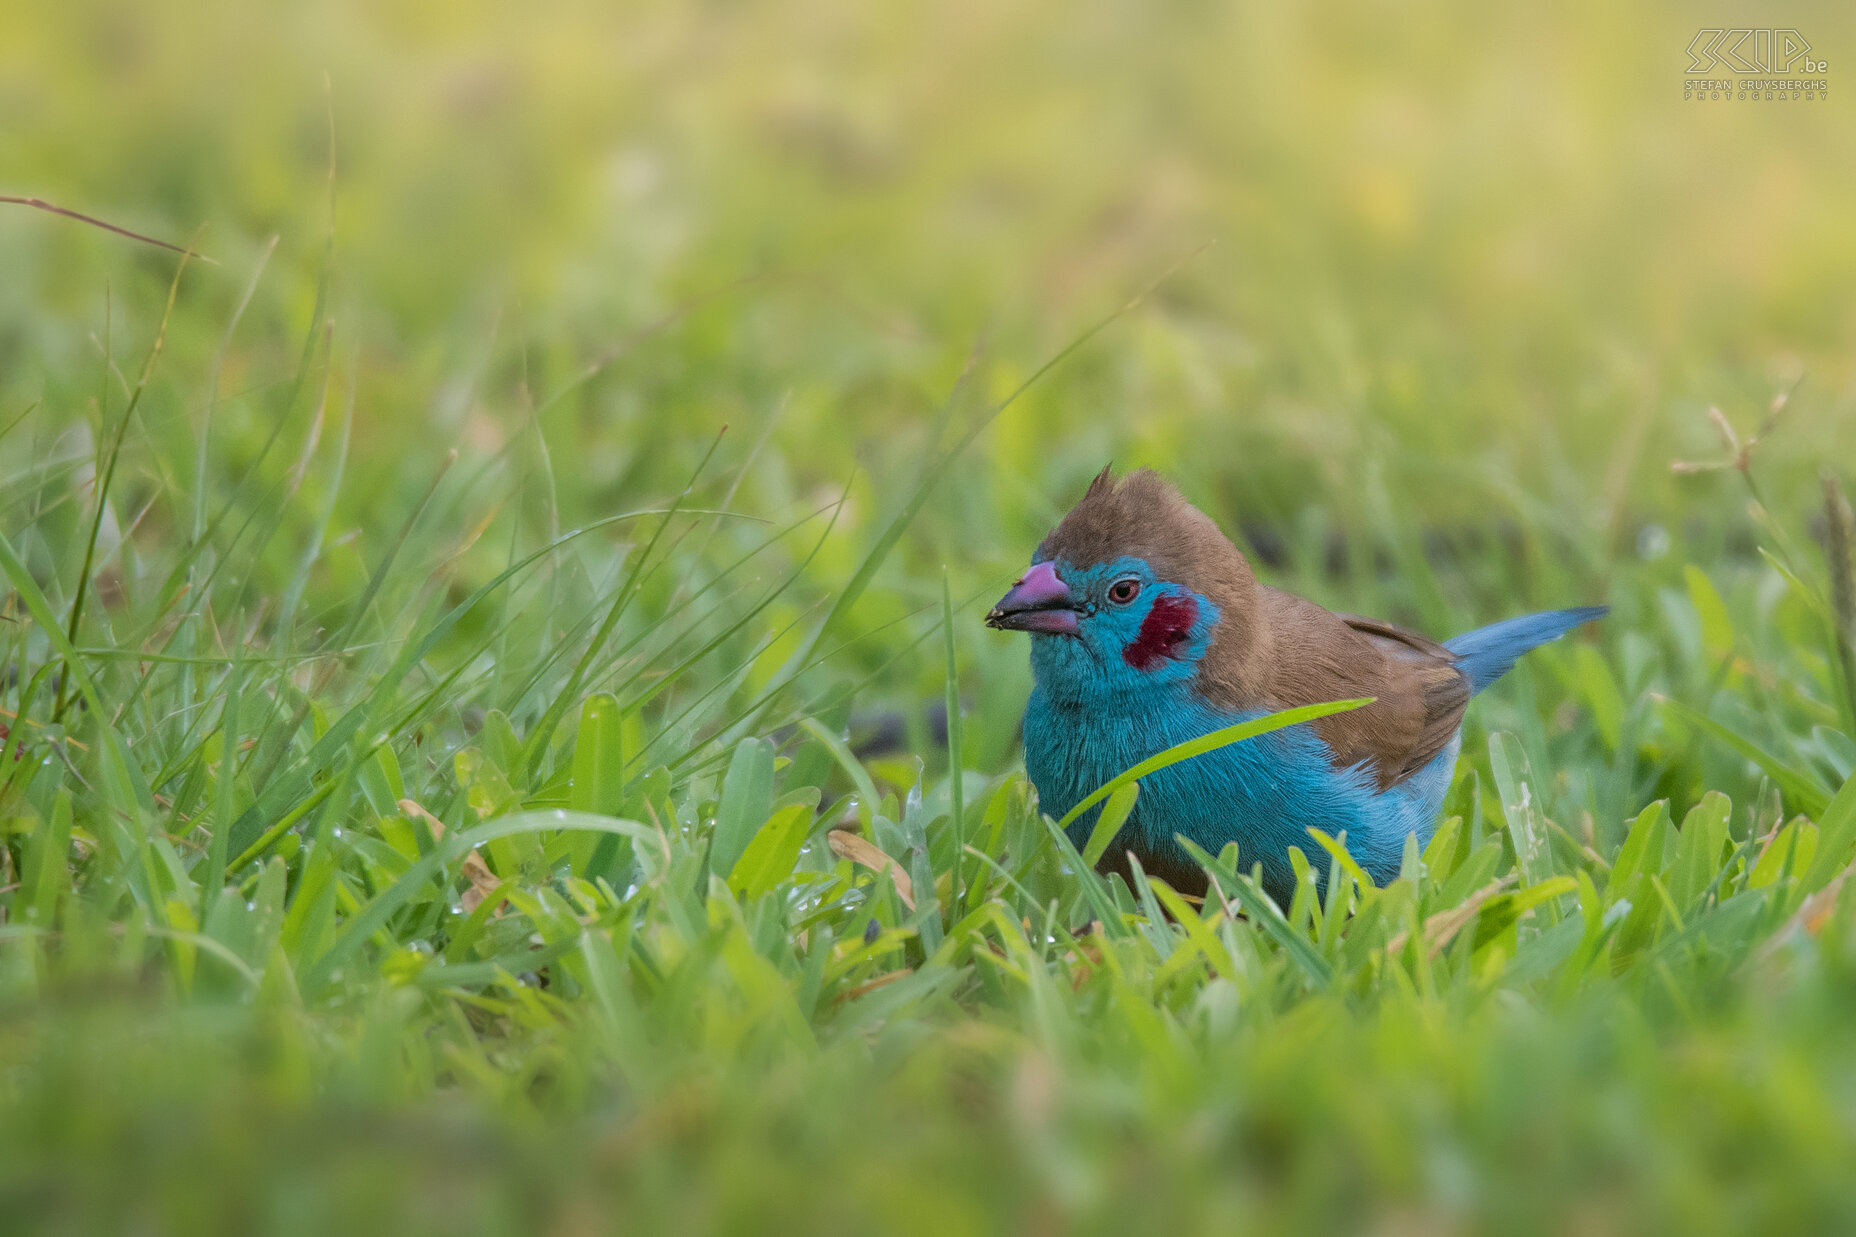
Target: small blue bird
point(1149, 629)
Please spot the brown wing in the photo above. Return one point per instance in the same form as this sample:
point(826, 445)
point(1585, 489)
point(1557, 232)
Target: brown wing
point(1420, 678)
point(1305, 654)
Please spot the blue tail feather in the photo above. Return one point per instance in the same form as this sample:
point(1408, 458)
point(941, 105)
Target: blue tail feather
point(1487, 652)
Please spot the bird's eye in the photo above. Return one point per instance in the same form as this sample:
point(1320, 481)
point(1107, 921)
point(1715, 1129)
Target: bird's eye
point(1121, 592)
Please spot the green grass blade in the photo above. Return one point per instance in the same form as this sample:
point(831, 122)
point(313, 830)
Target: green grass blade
point(1260, 909)
point(747, 800)
point(956, 772)
point(1807, 794)
point(1210, 743)
point(1114, 814)
point(452, 849)
point(1836, 838)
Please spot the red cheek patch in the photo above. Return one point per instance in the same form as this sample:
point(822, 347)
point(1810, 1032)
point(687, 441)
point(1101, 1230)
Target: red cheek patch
point(1166, 626)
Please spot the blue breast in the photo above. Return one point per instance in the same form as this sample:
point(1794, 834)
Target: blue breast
point(1264, 793)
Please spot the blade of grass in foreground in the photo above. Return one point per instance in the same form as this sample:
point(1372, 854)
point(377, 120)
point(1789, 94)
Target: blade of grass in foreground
point(117, 777)
point(294, 785)
point(107, 472)
point(551, 717)
point(956, 805)
point(1257, 904)
point(451, 849)
point(1211, 743)
point(1806, 793)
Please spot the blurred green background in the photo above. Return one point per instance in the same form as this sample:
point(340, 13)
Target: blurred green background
point(1426, 299)
point(1473, 258)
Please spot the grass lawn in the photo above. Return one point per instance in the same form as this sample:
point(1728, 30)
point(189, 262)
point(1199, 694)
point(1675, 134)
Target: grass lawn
point(499, 735)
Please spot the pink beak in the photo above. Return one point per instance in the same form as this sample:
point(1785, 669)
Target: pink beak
point(1039, 602)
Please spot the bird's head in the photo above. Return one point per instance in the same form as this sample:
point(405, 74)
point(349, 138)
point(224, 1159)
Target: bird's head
point(1131, 591)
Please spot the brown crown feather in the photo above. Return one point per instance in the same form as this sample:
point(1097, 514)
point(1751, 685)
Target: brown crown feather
point(1271, 649)
point(1145, 517)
